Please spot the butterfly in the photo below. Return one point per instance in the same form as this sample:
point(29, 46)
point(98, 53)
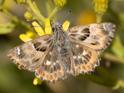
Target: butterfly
point(54, 57)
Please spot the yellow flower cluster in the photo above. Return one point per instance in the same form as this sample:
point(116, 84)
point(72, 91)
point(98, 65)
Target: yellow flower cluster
point(40, 31)
point(29, 35)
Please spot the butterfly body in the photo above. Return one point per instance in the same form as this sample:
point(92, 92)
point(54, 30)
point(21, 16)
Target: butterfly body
point(54, 57)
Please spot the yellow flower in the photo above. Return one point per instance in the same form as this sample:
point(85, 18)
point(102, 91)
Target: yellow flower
point(40, 31)
point(37, 81)
point(48, 28)
point(60, 3)
point(28, 15)
point(38, 28)
point(86, 17)
point(29, 35)
point(65, 25)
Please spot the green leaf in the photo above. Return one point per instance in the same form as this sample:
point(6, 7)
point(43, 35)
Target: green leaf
point(118, 47)
point(103, 77)
point(7, 28)
point(1, 2)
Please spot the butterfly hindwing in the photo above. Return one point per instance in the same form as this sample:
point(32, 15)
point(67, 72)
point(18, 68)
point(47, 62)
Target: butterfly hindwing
point(84, 59)
point(95, 36)
point(51, 68)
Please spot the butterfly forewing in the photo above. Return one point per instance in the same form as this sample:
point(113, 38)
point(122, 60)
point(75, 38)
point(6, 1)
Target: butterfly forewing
point(31, 54)
point(95, 36)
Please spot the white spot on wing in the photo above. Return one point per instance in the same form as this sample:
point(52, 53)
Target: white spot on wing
point(57, 61)
point(74, 57)
point(48, 62)
point(79, 57)
point(18, 50)
point(84, 52)
point(50, 53)
point(54, 64)
point(77, 46)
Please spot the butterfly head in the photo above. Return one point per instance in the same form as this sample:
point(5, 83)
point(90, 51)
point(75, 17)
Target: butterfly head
point(56, 27)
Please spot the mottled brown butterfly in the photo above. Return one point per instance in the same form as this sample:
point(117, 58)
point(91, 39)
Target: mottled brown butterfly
point(54, 57)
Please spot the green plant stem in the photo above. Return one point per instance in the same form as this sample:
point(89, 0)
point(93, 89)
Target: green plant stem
point(99, 18)
point(16, 20)
point(55, 10)
point(49, 7)
point(36, 11)
point(103, 77)
point(113, 58)
point(13, 18)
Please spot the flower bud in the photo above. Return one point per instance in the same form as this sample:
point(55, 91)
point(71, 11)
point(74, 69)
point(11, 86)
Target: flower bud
point(100, 6)
point(28, 15)
point(60, 3)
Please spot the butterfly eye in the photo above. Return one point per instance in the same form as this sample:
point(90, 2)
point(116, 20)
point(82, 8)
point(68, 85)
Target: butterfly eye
point(63, 50)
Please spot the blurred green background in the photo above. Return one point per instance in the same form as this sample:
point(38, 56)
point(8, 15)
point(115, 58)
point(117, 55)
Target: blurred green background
point(107, 78)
